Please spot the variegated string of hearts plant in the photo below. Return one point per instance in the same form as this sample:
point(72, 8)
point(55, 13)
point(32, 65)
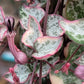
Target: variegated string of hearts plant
point(41, 45)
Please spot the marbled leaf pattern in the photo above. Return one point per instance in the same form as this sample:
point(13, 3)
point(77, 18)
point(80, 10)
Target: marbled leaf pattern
point(74, 30)
point(46, 47)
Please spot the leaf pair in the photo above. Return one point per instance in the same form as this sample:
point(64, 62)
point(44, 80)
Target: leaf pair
point(45, 46)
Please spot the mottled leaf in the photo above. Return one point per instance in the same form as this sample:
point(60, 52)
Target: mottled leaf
point(22, 72)
point(74, 30)
point(53, 28)
point(1, 16)
point(38, 13)
point(46, 47)
point(32, 33)
point(74, 9)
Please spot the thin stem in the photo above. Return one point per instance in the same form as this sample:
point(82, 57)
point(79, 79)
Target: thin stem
point(73, 53)
point(46, 16)
point(57, 6)
point(40, 73)
point(3, 49)
point(33, 72)
point(49, 64)
point(61, 7)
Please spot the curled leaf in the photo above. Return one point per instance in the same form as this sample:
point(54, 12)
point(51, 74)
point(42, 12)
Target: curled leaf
point(32, 33)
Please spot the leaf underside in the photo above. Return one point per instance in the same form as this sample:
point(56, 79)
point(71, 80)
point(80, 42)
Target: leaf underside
point(46, 47)
point(38, 13)
point(53, 28)
point(32, 33)
point(22, 72)
point(74, 30)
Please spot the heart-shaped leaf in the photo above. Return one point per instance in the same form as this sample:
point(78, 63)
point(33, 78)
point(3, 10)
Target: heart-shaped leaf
point(25, 11)
point(62, 78)
point(71, 48)
point(46, 68)
point(1, 16)
point(74, 9)
point(22, 72)
point(32, 33)
point(53, 28)
point(46, 47)
point(3, 32)
point(80, 60)
point(74, 30)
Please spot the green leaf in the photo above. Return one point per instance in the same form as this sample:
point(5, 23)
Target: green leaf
point(32, 33)
point(46, 47)
point(1, 16)
point(74, 30)
point(53, 28)
point(74, 9)
point(71, 49)
point(65, 79)
point(22, 72)
point(38, 13)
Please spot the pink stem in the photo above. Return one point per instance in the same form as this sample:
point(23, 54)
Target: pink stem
point(74, 53)
point(33, 72)
point(57, 6)
point(46, 16)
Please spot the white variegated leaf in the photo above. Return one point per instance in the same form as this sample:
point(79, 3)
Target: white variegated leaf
point(1, 16)
point(38, 13)
point(22, 72)
point(74, 30)
point(53, 28)
point(46, 47)
point(32, 33)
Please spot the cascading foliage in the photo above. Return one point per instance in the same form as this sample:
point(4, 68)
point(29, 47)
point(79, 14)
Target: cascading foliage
point(59, 53)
